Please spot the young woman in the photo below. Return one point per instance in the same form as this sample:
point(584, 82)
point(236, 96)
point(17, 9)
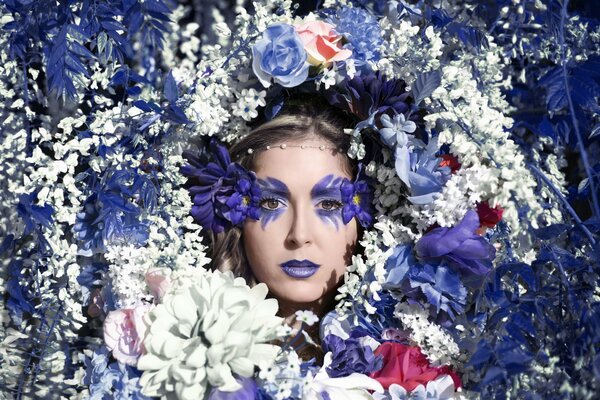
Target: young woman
point(299, 246)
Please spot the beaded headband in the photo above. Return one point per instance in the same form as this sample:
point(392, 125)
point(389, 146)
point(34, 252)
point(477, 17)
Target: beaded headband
point(301, 146)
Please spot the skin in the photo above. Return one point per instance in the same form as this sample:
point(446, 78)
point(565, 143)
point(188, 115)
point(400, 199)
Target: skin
point(304, 223)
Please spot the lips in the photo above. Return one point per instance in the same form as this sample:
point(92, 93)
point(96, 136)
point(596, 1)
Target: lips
point(300, 269)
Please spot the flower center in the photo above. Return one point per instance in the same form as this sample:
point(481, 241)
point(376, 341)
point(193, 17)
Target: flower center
point(245, 200)
point(356, 199)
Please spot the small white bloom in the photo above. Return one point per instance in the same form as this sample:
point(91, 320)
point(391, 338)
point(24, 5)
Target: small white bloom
point(306, 316)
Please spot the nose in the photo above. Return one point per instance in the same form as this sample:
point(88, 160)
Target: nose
point(300, 232)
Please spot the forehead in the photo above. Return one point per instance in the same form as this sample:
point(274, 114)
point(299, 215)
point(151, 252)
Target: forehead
point(300, 168)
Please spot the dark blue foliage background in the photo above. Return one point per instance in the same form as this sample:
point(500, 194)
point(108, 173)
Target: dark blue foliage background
point(544, 314)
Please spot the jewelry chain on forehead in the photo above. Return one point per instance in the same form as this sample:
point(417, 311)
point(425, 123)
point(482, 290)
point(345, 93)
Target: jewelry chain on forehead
point(301, 146)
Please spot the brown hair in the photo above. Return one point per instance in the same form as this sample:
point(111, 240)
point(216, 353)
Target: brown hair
point(298, 120)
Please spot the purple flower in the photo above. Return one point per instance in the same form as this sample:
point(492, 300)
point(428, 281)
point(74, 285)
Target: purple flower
point(357, 199)
point(350, 356)
point(224, 193)
point(372, 94)
point(470, 253)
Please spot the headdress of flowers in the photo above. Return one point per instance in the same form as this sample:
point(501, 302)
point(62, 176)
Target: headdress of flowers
point(470, 277)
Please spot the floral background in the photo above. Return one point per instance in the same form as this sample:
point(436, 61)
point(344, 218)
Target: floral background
point(99, 100)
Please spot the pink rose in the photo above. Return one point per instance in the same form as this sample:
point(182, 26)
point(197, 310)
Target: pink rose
point(321, 43)
point(124, 332)
point(158, 283)
point(408, 367)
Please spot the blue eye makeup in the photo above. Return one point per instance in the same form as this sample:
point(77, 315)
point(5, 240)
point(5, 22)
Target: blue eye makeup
point(273, 201)
point(327, 197)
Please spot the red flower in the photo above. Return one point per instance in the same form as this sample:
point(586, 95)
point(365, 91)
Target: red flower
point(488, 216)
point(448, 160)
point(408, 367)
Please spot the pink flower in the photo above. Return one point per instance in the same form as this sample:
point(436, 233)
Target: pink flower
point(321, 43)
point(408, 367)
point(124, 332)
point(158, 283)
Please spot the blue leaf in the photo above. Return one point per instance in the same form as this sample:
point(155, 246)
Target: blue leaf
point(553, 81)
point(551, 232)
point(142, 105)
point(170, 88)
point(425, 84)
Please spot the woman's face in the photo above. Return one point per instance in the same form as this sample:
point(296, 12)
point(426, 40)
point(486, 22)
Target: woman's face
point(300, 247)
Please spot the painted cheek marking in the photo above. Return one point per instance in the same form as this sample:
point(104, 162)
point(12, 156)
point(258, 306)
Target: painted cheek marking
point(272, 188)
point(328, 188)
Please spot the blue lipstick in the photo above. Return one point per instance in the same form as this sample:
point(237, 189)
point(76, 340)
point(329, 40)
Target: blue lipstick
point(299, 269)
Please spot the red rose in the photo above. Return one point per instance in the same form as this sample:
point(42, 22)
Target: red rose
point(488, 216)
point(448, 160)
point(408, 367)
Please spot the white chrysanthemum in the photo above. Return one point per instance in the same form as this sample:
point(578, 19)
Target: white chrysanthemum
point(208, 327)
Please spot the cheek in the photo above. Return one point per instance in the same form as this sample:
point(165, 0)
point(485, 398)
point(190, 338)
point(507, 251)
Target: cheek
point(258, 247)
point(331, 218)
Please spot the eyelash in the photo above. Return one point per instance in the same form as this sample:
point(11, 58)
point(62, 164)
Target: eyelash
point(262, 202)
point(336, 204)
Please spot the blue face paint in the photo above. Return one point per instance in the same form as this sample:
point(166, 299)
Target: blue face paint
point(327, 198)
point(274, 198)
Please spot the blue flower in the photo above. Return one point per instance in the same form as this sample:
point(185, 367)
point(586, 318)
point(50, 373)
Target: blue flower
point(464, 249)
point(441, 288)
point(397, 266)
point(395, 129)
point(421, 171)
point(111, 381)
point(280, 55)
point(224, 193)
point(357, 199)
point(349, 356)
point(362, 31)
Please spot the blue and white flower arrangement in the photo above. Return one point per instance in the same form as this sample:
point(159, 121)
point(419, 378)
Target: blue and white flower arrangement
point(479, 274)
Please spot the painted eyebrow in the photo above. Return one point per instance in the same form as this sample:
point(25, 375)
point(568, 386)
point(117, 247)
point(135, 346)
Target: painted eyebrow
point(328, 186)
point(274, 186)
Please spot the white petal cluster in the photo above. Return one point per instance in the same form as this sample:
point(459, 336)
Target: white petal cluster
point(207, 328)
point(434, 342)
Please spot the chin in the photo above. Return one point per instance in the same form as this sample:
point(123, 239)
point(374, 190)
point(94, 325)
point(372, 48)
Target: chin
point(302, 292)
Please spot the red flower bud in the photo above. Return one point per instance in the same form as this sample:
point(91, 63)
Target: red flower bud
point(488, 216)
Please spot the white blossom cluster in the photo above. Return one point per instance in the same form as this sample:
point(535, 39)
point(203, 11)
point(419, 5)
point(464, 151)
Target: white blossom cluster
point(434, 342)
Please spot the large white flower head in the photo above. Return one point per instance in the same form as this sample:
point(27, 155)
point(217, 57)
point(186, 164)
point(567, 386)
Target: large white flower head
point(208, 327)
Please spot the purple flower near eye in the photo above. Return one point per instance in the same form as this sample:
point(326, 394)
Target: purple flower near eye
point(357, 198)
point(468, 252)
point(349, 356)
point(224, 193)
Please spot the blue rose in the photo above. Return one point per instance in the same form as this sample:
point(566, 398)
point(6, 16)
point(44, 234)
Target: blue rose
point(280, 55)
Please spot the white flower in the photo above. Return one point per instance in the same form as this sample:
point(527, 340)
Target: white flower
point(353, 386)
point(209, 326)
point(442, 388)
point(255, 98)
point(244, 109)
point(306, 316)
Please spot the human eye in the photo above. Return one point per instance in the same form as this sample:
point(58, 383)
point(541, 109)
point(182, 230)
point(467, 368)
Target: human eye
point(330, 205)
point(270, 204)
